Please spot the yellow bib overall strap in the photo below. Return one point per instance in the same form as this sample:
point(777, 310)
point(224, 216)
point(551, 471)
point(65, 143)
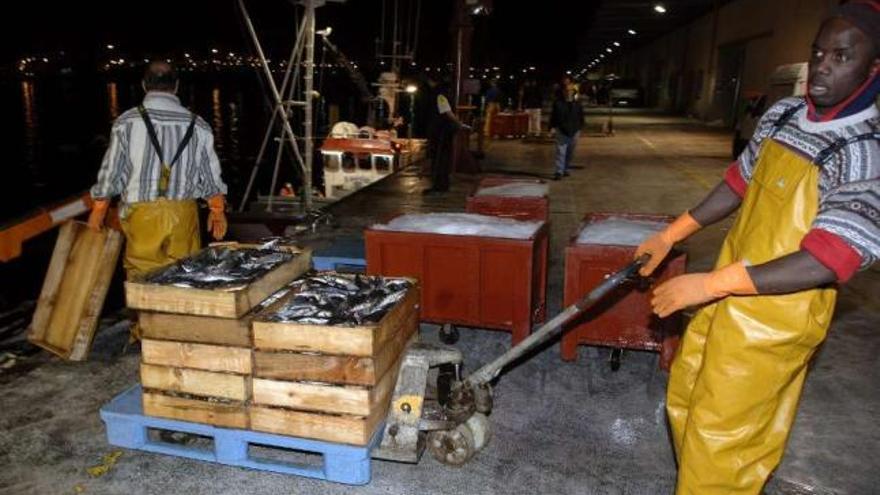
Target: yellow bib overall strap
point(734, 387)
point(165, 168)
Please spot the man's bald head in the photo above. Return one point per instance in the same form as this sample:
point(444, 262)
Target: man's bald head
point(160, 76)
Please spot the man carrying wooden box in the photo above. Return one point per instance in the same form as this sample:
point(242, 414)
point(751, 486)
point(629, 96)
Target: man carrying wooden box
point(161, 159)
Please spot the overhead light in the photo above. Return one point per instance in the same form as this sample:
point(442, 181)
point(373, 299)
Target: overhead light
point(609, 50)
point(601, 55)
point(214, 50)
point(616, 44)
point(632, 32)
point(659, 8)
point(411, 88)
point(324, 32)
point(110, 47)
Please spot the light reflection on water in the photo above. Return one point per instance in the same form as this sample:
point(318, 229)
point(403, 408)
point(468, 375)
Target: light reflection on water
point(31, 124)
point(64, 126)
point(113, 100)
point(217, 120)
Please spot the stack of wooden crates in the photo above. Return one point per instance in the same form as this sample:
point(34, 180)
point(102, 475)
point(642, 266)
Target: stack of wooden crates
point(211, 357)
point(329, 382)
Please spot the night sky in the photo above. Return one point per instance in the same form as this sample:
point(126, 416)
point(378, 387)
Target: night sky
point(516, 33)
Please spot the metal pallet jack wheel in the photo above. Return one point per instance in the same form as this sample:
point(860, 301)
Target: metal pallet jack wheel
point(449, 334)
point(456, 447)
point(455, 427)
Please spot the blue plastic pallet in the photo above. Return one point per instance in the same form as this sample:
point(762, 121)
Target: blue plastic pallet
point(346, 254)
point(127, 427)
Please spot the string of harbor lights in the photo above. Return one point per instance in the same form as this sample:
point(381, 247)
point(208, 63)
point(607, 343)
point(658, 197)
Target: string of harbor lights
point(658, 8)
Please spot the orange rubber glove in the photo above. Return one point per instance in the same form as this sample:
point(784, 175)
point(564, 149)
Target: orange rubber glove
point(659, 244)
point(98, 214)
point(697, 288)
point(217, 217)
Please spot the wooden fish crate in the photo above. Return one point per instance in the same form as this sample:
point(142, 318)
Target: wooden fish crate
point(212, 411)
point(335, 368)
point(74, 289)
point(364, 340)
point(217, 302)
point(328, 382)
point(202, 383)
point(196, 329)
point(323, 411)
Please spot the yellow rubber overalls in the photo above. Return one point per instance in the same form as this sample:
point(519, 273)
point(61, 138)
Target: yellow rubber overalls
point(158, 233)
point(162, 231)
point(735, 385)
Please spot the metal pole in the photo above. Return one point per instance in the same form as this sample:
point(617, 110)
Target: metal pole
point(275, 94)
point(308, 79)
point(291, 62)
point(394, 60)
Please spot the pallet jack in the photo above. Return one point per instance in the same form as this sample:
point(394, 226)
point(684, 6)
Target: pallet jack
point(454, 426)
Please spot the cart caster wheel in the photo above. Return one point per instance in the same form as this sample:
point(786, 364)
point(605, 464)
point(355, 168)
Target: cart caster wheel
point(614, 359)
point(452, 447)
point(449, 334)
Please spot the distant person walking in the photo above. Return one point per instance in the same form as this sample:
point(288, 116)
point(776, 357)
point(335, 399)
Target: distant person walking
point(531, 101)
point(565, 122)
point(493, 106)
point(161, 159)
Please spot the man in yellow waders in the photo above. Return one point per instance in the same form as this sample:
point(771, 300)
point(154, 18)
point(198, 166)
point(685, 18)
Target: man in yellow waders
point(808, 192)
point(161, 158)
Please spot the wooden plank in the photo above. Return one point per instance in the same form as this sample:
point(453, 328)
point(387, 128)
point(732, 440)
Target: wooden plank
point(356, 430)
point(74, 290)
point(199, 329)
point(197, 356)
point(324, 397)
point(364, 341)
point(230, 415)
point(109, 257)
point(46, 302)
point(184, 300)
point(196, 382)
point(219, 303)
point(350, 370)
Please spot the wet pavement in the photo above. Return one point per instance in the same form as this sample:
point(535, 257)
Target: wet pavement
point(557, 427)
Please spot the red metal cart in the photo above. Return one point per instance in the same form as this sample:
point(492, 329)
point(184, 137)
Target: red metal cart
point(625, 321)
point(517, 207)
point(483, 282)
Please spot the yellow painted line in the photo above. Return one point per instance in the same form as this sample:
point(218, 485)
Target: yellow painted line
point(683, 170)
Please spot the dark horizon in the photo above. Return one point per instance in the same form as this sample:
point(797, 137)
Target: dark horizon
point(511, 36)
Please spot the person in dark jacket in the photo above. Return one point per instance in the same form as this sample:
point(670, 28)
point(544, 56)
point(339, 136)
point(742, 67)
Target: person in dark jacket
point(442, 127)
point(565, 123)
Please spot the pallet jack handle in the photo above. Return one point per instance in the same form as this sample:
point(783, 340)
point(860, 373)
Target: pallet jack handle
point(489, 372)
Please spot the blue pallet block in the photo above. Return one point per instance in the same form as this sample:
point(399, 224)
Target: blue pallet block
point(346, 254)
point(127, 427)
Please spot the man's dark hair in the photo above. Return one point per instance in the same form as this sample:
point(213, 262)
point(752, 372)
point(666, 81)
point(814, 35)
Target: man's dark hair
point(160, 76)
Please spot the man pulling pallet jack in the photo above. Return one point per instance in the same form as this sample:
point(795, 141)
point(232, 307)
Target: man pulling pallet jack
point(804, 225)
point(808, 191)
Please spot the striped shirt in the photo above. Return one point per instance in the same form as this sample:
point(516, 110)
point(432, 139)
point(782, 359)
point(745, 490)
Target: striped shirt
point(131, 166)
point(849, 183)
